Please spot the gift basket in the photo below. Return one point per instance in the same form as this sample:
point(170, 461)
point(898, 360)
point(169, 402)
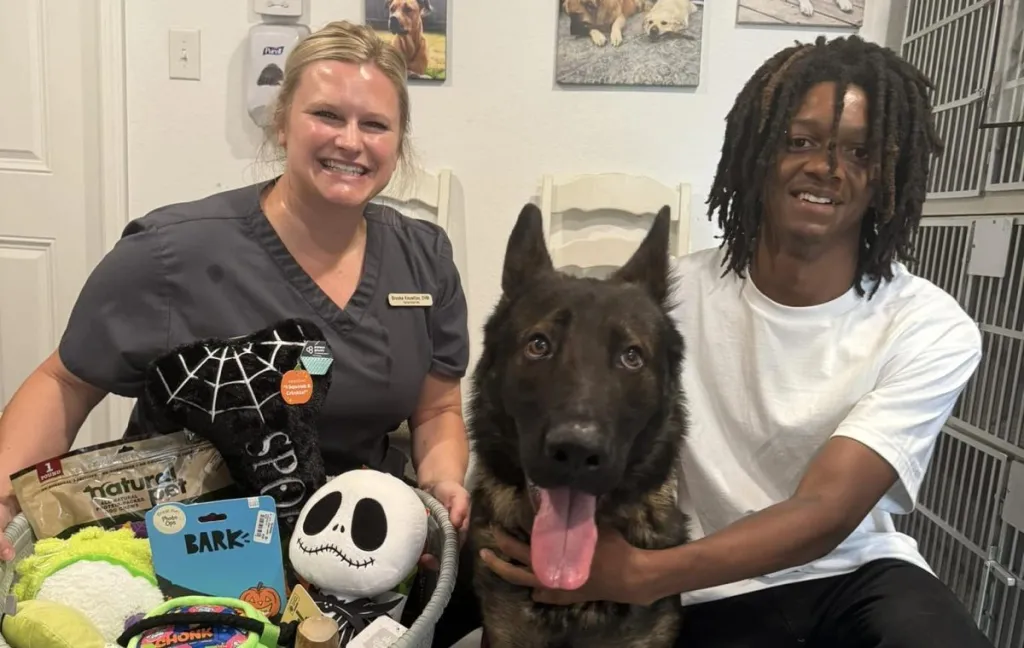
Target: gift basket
point(224, 528)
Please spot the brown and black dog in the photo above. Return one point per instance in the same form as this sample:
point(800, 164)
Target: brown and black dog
point(595, 17)
point(576, 418)
point(405, 21)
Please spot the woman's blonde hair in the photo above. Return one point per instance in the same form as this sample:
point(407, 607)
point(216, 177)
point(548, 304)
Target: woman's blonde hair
point(350, 43)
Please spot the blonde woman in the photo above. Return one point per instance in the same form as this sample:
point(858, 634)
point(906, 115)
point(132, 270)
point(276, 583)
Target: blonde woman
point(307, 243)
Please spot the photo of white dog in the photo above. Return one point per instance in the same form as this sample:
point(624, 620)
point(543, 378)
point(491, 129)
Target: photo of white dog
point(805, 13)
point(654, 43)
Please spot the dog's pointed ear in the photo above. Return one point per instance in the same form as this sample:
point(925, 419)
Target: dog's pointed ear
point(425, 7)
point(649, 265)
point(526, 254)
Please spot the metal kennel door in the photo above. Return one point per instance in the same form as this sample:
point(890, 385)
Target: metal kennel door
point(970, 519)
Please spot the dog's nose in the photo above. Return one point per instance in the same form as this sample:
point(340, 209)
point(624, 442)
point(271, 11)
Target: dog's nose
point(577, 448)
point(393, 23)
point(654, 30)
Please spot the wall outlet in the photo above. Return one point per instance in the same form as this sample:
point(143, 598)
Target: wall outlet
point(183, 53)
point(278, 7)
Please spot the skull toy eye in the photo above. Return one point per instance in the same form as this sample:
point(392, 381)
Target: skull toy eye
point(321, 514)
point(369, 524)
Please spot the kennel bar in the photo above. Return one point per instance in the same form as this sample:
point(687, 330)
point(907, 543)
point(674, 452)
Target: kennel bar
point(934, 31)
point(1006, 160)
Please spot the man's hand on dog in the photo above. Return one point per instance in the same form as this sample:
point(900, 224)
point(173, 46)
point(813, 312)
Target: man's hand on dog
point(614, 574)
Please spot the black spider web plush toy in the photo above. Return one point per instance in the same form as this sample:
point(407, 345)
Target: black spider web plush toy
point(256, 399)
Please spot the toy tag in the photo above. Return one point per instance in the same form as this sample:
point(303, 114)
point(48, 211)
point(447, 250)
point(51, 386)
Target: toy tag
point(296, 387)
point(316, 357)
point(300, 606)
point(222, 548)
point(381, 633)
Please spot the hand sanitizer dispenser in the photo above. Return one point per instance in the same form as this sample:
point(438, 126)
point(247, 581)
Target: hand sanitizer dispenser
point(268, 48)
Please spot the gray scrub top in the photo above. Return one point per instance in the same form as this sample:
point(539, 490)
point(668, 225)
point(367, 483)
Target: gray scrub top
point(215, 267)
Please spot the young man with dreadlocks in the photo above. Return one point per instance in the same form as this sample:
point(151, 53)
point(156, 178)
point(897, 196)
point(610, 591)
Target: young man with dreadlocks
point(818, 374)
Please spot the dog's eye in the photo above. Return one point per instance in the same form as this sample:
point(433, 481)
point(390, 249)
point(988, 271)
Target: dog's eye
point(632, 358)
point(538, 347)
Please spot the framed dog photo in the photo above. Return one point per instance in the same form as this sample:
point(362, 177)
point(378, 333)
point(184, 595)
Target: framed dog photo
point(841, 14)
point(629, 42)
point(418, 28)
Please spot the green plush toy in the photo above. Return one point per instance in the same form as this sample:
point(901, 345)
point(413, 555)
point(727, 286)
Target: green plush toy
point(46, 624)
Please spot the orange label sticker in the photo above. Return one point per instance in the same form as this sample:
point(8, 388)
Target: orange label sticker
point(296, 387)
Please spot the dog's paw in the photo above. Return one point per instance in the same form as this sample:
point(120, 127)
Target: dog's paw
point(844, 5)
point(598, 38)
point(806, 8)
point(616, 38)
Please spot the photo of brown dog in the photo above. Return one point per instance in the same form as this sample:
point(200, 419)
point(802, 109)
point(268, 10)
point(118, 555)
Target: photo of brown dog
point(416, 28)
point(629, 42)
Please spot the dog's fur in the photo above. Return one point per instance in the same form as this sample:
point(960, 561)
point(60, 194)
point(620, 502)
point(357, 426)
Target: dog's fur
point(668, 18)
point(807, 6)
point(584, 382)
point(595, 17)
point(405, 21)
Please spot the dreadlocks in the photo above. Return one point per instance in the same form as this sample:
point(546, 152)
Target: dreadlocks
point(902, 137)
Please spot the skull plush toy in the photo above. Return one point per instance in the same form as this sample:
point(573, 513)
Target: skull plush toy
point(358, 537)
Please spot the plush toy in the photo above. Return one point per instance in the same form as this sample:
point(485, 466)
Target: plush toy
point(104, 574)
point(48, 624)
point(357, 538)
point(256, 398)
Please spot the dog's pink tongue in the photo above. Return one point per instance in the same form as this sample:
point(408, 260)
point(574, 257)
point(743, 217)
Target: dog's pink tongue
point(563, 538)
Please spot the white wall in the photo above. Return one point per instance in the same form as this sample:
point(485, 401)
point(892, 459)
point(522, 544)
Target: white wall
point(499, 122)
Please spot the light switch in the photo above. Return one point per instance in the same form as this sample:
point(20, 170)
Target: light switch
point(278, 7)
point(183, 53)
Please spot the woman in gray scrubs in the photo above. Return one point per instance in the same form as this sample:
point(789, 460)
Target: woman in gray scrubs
point(306, 244)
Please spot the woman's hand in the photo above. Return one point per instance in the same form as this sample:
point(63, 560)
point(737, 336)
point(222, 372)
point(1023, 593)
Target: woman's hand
point(616, 573)
point(454, 497)
point(7, 513)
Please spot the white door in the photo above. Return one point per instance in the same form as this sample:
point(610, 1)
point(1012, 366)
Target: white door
point(51, 231)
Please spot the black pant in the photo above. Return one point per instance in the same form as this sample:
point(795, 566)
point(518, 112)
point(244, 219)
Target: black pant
point(885, 604)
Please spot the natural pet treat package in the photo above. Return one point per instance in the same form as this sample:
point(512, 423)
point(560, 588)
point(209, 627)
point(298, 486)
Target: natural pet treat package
point(229, 548)
point(113, 484)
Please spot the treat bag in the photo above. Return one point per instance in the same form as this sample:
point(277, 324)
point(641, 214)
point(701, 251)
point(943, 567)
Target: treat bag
point(256, 398)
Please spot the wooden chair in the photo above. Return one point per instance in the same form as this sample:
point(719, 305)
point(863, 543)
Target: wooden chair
point(603, 195)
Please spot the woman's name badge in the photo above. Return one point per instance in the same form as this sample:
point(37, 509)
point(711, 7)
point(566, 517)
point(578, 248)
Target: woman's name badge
point(410, 299)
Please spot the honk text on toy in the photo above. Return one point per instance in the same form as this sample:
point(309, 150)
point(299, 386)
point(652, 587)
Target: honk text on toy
point(227, 548)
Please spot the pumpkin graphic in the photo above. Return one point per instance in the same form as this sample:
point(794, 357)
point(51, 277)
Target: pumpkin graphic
point(263, 598)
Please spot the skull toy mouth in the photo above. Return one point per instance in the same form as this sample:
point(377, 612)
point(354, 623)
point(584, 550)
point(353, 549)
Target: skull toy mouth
point(358, 564)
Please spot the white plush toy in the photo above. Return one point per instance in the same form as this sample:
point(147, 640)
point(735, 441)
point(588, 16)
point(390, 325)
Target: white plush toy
point(356, 539)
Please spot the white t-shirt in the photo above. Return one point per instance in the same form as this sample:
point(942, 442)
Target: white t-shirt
point(767, 385)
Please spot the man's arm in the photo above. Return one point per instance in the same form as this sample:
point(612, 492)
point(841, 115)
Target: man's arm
point(882, 447)
point(841, 486)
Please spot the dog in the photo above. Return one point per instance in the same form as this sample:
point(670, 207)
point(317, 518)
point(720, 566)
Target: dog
point(594, 17)
point(405, 21)
point(807, 7)
point(576, 402)
point(668, 18)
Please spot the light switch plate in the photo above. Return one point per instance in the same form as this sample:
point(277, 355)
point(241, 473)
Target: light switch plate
point(278, 7)
point(183, 53)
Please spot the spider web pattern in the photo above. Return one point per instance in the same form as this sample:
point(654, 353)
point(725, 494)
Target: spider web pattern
point(245, 374)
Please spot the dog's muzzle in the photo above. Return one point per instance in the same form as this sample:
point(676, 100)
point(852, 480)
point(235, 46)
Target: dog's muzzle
point(578, 26)
point(395, 25)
